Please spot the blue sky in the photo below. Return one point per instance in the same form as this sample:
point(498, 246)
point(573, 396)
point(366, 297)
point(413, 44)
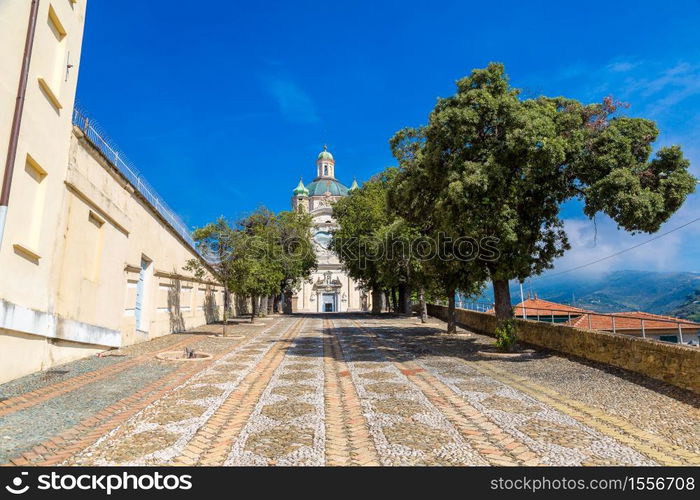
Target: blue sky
point(223, 105)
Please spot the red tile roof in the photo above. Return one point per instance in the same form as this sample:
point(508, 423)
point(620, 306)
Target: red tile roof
point(533, 307)
point(624, 321)
point(633, 321)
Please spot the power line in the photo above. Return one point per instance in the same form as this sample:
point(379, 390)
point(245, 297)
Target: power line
point(620, 252)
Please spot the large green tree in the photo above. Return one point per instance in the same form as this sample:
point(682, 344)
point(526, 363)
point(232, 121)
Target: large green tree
point(450, 267)
point(378, 247)
point(360, 215)
point(494, 165)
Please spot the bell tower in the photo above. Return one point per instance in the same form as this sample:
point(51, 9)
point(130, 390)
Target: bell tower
point(300, 200)
point(325, 165)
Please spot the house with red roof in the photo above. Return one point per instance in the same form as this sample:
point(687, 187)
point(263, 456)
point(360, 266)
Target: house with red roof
point(543, 310)
point(641, 324)
point(636, 323)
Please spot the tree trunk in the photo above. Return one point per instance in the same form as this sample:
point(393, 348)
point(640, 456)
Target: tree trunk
point(423, 306)
point(287, 303)
point(377, 301)
point(254, 308)
point(241, 305)
point(501, 294)
point(404, 299)
point(270, 304)
point(451, 316)
point(277, 304)
point(225, 314)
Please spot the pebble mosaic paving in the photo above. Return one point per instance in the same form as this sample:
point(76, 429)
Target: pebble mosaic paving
point(342, 390)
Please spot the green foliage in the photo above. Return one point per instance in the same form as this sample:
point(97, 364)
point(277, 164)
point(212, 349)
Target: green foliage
point(215, 242)
point(506, 335)
point(690, 309)
point(261, 255)
point(491, 164)
point(297, 254)
point(361, 216)
point(373, 242)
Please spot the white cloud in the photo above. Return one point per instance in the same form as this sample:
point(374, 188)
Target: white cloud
point(592, 242)
point(622, 66)
point(667, 93)
point(666, 88)
point(677, 251)
point(294, 104)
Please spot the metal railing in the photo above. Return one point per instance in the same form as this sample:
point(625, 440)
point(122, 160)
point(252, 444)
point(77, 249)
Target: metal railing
point(563, 316)
point(467, 304)
point(473, 306)
point(566, 315)
point(118, 159)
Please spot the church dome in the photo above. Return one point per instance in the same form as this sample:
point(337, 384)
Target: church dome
point(319, 187)
point(301, 190)
point(325, 154)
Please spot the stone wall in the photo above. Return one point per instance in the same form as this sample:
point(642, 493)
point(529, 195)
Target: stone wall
point(673, 363)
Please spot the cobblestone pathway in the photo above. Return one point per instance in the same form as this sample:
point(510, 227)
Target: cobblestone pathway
point(342, 390)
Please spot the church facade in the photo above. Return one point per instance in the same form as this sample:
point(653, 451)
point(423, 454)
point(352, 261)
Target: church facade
point(329, 289)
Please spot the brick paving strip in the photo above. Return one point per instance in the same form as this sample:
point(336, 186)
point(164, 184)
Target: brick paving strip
point(491, 442)
point(17, 403)
point(212, 442)
point(613, 427)
point(61, 447)
point(348, 441)
point(644, 442)
point(286, 428)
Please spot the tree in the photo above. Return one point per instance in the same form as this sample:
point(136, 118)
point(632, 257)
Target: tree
point(446, 271)
point(216, 243)
point(493, 165)
point(360, 215)
point(257, 270)
point(258, 257)
point(296, 250)
point(377, 246)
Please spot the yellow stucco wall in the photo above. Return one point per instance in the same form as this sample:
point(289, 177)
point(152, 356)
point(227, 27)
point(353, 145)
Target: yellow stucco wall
point(77, 232)
point(40, 164)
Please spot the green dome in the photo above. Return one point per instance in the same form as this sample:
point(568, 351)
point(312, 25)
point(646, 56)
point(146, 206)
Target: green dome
point(325, 155)
point(300, 190)
point(319, 187)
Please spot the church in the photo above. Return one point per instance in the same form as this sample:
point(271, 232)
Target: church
point(329, 289)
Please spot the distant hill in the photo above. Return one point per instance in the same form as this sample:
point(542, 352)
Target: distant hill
point(672, 293)
point(690, 309)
